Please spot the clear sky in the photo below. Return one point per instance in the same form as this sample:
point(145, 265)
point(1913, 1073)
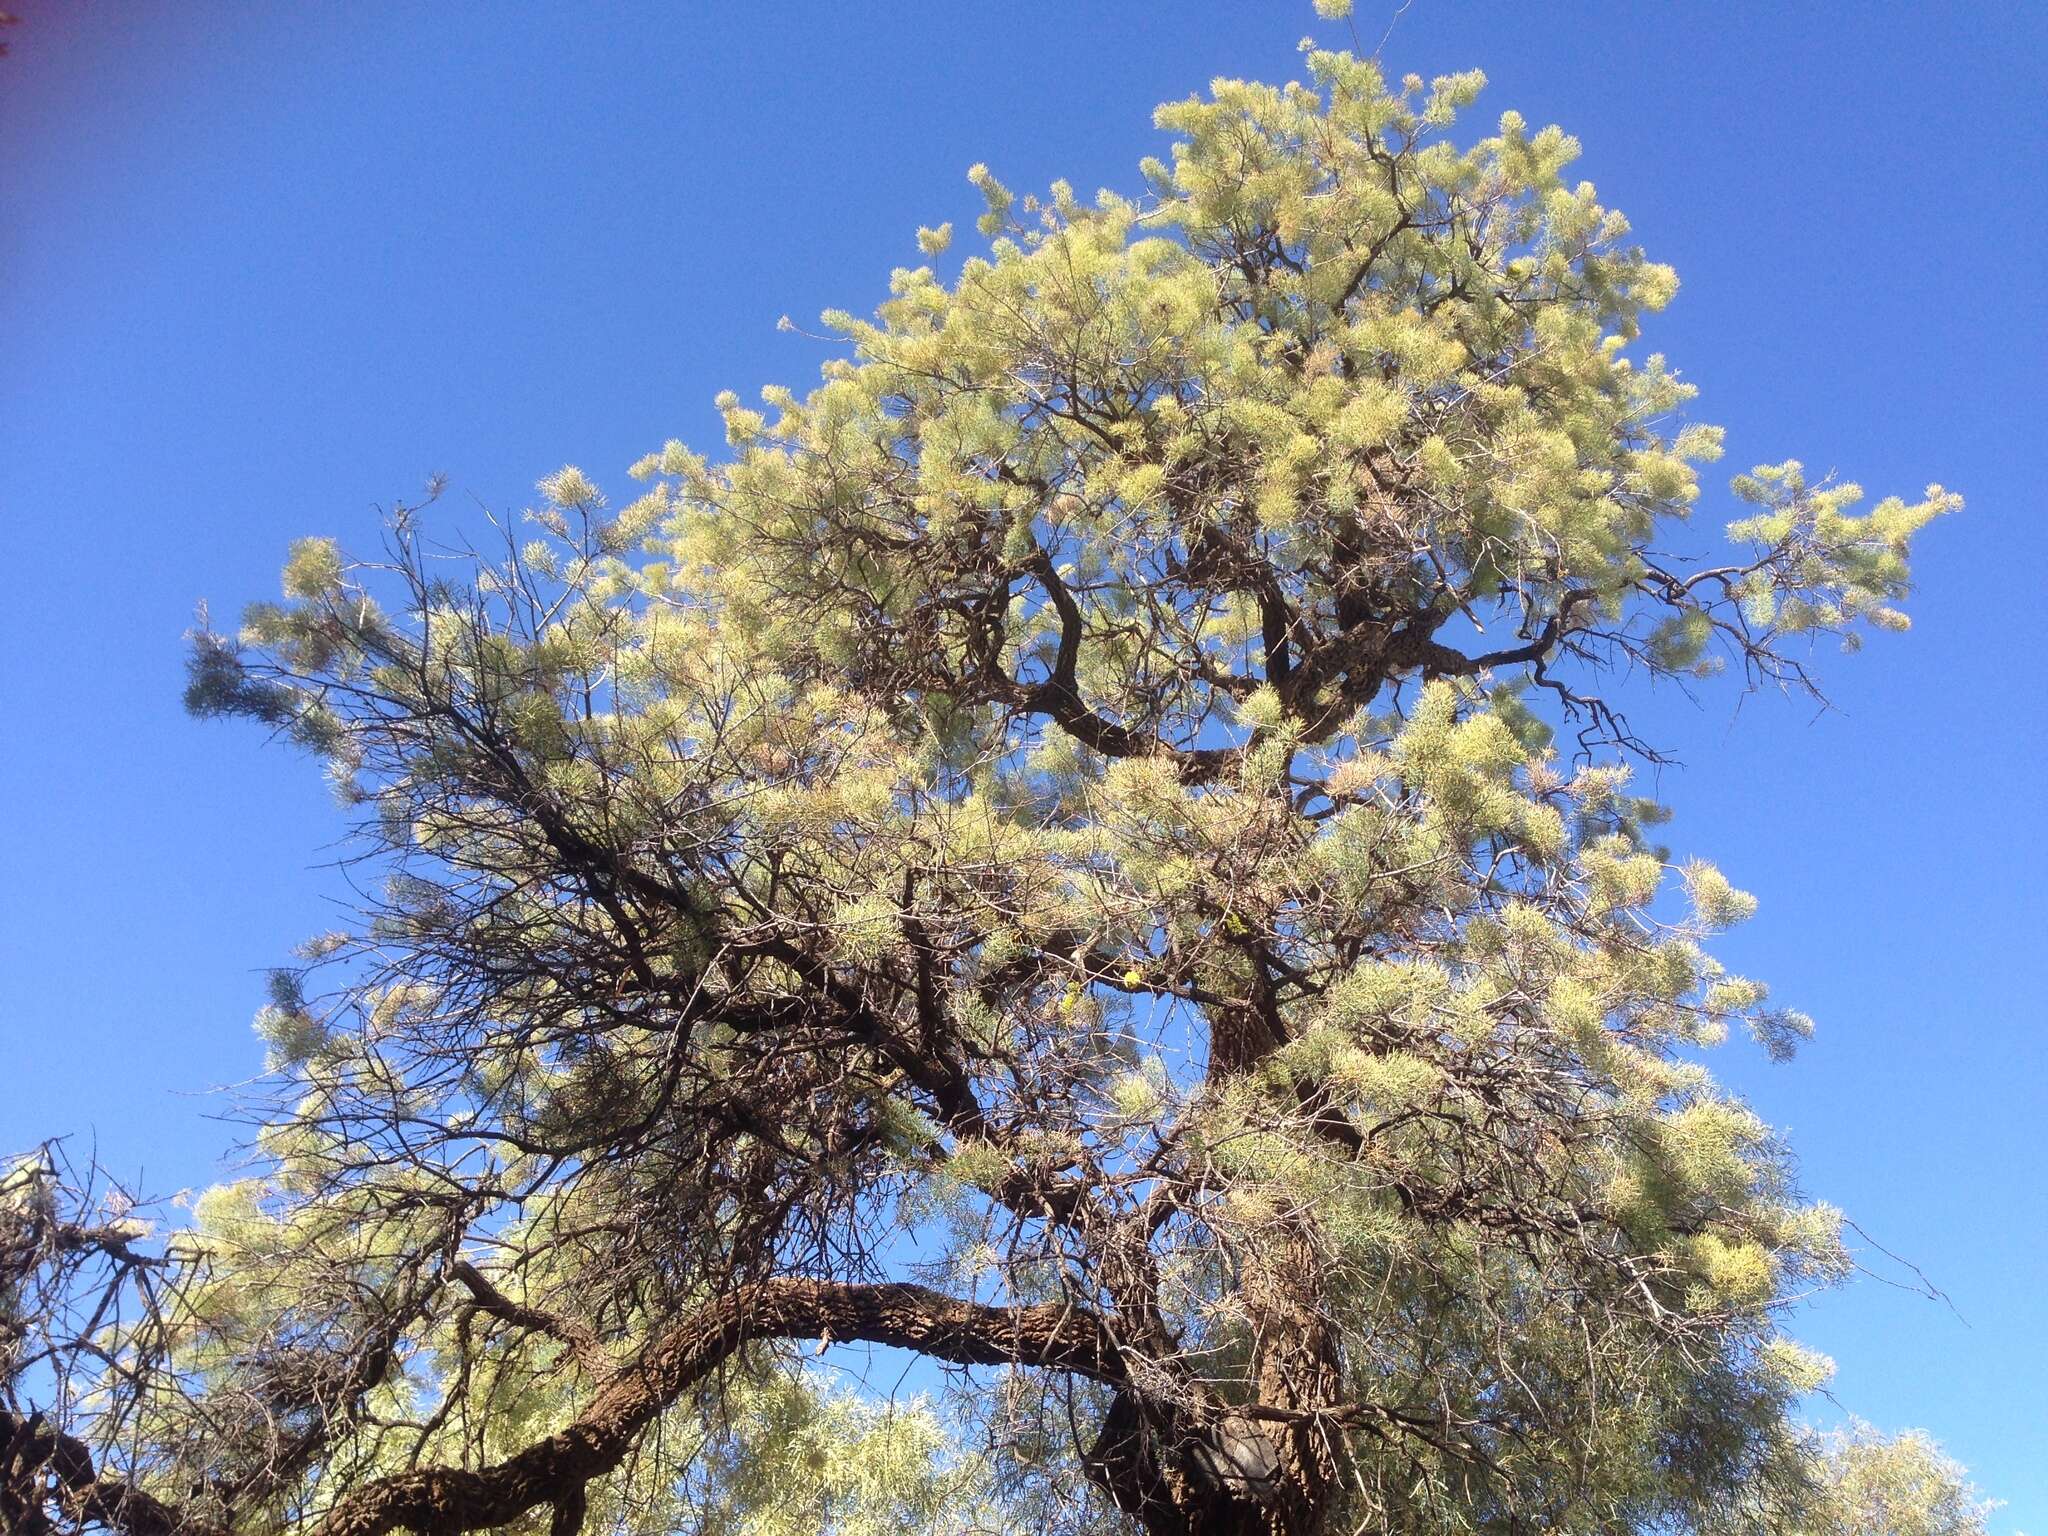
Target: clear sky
point(263, 268)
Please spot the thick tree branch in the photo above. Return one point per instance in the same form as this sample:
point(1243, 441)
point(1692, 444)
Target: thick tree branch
point(554, 1471)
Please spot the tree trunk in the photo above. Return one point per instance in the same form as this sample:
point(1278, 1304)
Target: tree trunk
point(1232, 1472)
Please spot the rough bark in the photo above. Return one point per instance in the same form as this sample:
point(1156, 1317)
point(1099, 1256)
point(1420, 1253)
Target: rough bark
point(40, 1468)
point(555, 1471)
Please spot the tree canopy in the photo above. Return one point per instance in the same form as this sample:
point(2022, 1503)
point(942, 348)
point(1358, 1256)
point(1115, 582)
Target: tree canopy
point(1095, 847)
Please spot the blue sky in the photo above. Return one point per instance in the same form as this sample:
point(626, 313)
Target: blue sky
point(263, 269)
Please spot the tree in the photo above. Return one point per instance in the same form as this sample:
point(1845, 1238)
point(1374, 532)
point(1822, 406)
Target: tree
point(1048, 855)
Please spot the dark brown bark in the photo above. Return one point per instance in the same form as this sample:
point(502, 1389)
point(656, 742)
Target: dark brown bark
point(43, 1469)
point(556, 1470)
point(1266, 1470)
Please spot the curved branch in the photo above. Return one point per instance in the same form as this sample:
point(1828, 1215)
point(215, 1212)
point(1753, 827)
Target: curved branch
point(555, 1470)
point(1059, 697)
point(41, 1465)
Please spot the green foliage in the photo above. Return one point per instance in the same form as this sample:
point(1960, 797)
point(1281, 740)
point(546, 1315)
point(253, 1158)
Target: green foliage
point(1874, 1485)
point(1857, 1482)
